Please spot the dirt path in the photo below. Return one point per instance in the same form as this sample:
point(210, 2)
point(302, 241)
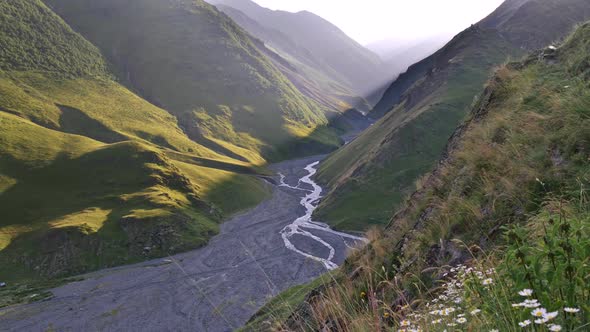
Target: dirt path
point(216, 288)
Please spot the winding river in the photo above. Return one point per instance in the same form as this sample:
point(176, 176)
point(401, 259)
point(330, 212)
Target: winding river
point(257, 254)
point(299, 226)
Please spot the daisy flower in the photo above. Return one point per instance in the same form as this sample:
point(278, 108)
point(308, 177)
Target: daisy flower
point(462, 320)
point(541, 321)
point(539, 312)
point(531, 303)
point(550, 315)
point(526, 292)
point(525, 323)
point(555, 328)
point(487, 282)
point(571, 310)
point(405, 323)
point(475, 312)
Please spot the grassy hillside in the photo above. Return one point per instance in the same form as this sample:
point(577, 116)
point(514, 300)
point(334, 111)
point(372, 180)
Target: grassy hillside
point(405, 143)
point(92, 175)
point(506, 209)
point(196, 63)
point(69, 198)
point(370, 177)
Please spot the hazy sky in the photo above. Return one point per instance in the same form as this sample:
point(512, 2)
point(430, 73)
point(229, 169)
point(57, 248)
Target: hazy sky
point(374, 20)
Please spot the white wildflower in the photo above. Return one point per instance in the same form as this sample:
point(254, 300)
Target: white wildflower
point(571, 310)
point(526, 292)
point(539, 312)
point(541, 321)
point(525, 323)
point(475, 312)
point(462, 320)
point(550, 315)
point(487, 282)
point(555, 328)
point(531, 303)
point(405, 323)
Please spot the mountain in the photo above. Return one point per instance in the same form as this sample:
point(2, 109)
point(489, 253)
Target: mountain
point(196, 63)
point(505, 209)
point(113, 148)
point(370, 177)
point(313, 42)
point(398, 54)
point(309, 75)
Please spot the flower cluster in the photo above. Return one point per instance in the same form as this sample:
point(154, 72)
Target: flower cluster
point(448, 309)
point(540, 314)
point(453, 309)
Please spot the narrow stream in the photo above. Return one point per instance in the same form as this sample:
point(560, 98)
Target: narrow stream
point(299, 226)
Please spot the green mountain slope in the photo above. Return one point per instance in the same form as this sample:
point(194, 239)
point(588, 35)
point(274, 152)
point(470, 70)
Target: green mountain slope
point(92, 175)
point(370, 177)
point(508, 201)
point(316, 43)
point(193, 61)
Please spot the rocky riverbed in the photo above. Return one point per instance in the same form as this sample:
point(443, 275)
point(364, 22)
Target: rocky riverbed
point(216, 288)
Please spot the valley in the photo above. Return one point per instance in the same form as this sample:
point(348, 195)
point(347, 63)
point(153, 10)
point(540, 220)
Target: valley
point(216, 288)
point(217, 165)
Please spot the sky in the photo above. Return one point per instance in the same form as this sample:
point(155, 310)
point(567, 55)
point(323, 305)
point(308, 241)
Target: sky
point(369, 21)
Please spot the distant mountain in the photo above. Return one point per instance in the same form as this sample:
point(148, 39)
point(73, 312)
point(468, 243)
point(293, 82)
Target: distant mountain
point(307, 73)
point(308, 39)
point(401, 54)
point(423, 106)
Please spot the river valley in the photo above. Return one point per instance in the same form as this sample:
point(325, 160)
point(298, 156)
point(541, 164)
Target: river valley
point(257, 254)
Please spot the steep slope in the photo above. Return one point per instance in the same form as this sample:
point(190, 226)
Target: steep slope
point(92, 175)
point(505, 209)
point(309, 75)
point(319, 44)
point(370, 177)
point(196, 63)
